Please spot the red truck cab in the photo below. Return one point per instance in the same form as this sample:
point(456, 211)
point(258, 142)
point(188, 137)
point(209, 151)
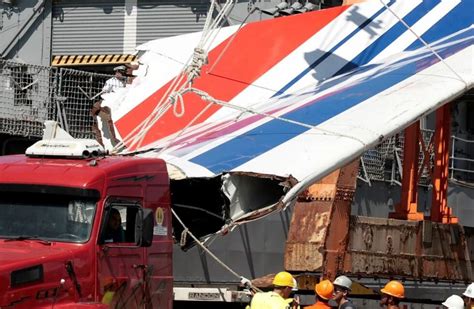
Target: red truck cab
point(60, 246)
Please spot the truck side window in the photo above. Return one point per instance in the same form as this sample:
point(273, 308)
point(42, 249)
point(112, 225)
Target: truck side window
point(119, 224)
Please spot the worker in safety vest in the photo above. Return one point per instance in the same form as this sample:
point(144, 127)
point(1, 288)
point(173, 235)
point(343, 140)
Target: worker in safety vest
point(283, 286)
point(469, 296)
point(324, 292)
point(342, 287)
point(392, 294)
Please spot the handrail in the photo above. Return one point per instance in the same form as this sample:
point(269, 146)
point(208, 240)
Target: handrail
point(462, 139)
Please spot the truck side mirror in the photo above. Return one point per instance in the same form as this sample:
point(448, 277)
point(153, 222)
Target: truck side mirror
point(144, 222)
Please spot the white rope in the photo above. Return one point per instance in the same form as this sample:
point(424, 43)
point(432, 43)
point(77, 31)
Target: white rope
point(194, 69)
point(198, 209)
point(424, 42)
point(186, 231)
point(191, 70)
point(182, 131)
point(205, 96)
point(207, 33)
point(207, 22)
point(179, 99)
point(218, 59)
point(161, 109)
point(133, 138)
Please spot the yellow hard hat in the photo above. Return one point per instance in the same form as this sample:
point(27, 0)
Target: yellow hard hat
point(283, 278)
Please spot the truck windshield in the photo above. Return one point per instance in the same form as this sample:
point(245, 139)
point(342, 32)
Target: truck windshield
point(46, 216)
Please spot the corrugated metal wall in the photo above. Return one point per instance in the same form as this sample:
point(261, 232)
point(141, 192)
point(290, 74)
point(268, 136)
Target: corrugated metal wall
point(97, 27)
point(157, 19)
point(88, 27)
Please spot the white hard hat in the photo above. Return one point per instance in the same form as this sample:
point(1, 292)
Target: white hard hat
point(469, 291)
point(344, 282)
point(295, 285)
point(454, 302)
point(120, 68)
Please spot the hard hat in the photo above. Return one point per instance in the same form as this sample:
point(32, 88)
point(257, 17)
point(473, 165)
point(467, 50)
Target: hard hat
point(454, 302)
point(283, 278)
point(469, 291)
point(394, 288)
point(344, 282)
point(120, 68)
point(295, 285)
point(324, 289)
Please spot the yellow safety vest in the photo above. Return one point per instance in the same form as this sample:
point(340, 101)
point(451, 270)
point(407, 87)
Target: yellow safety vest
point(268, 300)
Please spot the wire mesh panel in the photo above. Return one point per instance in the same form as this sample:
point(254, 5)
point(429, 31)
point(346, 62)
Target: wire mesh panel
point(31, 94)
point(77, 91)
point(385, 162)
point(377, 161)
point(25, 92)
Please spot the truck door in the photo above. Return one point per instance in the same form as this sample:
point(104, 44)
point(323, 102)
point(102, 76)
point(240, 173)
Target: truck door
point(121, 263)
point(159, 255)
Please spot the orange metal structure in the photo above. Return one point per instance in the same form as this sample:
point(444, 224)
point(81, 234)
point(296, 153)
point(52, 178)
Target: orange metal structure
point(440, 212)
point(407, 208)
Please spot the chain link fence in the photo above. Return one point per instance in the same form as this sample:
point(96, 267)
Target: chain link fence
point(31, 94)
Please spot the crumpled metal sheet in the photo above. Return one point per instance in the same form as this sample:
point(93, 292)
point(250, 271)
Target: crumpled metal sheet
point(318, 230)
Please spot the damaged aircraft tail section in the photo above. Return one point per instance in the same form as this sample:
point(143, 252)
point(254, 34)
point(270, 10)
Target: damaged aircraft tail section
point(267, 118)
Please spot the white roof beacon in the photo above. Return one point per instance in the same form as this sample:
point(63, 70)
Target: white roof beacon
point(58, 143)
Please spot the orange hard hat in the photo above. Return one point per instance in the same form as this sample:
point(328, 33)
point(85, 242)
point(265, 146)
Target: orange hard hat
point(324, 289)
point(394, 288)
